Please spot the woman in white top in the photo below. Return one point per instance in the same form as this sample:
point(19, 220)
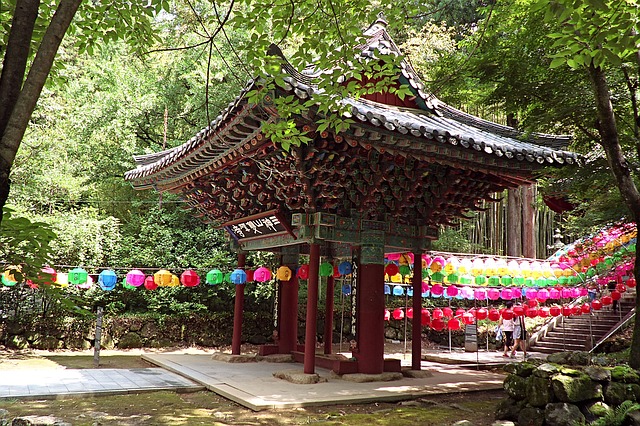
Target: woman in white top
point(507, 326)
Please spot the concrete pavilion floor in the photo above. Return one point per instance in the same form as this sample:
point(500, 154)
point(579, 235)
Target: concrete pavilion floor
point(253, 385)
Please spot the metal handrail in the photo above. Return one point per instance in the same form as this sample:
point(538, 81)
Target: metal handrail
point(623, 323)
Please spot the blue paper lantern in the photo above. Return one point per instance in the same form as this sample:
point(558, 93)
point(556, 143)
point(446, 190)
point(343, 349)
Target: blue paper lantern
point(410, 291)
point(107, 280)
point(387, 289)
point(346, 289)
point(238, 276)
point(345, 268)
point(398, 290)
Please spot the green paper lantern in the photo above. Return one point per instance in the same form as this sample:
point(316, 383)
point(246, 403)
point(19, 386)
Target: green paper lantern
point(481, 280)
point(494, 280)
point(326, 269)
point(541, 282)
point(506, 280)
point(551, 281)
point(518, 281)
point(453, 278)
point(214, 277)
point(426, 273)
point(78, 276)
point(405, 270)
point(563, 280)
point(529, 282)
point(466, 279)
point(7, 282)
point(437, 277)
point(573, 280)
point(591, 272)
point(227, 277)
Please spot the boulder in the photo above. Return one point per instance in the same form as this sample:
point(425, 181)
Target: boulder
point(545, 370)
point(522, 369)
point(531, 416)
point(597, 373)
point(632, 418)
point(148, 330)
point(130, 340)
point(575, 389)
point(509, 409)
point(13, 327)
point(515, 386)
point(17, 341)
point(106, 341)
point(539, 392)
point(38, 421)
point(598, 408)
point(49, 343)
point(615, 393)
point(31, 336)
point(624, 374)
point(3, 414)
point(562, 414)
point(570, 358)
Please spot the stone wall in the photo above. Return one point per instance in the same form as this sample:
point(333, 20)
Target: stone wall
point(570, 388)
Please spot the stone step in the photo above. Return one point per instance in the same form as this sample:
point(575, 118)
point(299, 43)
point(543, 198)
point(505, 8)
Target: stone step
point(559, 346)
point(559, 339)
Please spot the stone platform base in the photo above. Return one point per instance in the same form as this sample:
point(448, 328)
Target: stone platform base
point(364, 378)
point(298, 377)
point(224, 357)
point(417, 374)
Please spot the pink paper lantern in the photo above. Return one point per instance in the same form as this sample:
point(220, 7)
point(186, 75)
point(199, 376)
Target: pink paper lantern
point(480, 293)
point(531, 294)
point(135, 278)
point(543, 295)
point(262, 274)
point(452, 291)
point(493, 294)
point(506, 294)
point(437, 290)
point(554, 294)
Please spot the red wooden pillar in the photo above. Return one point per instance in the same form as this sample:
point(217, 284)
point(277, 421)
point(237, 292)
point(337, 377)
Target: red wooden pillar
point(289, 316)
point(328, 316)
point(370, 304)
point(416, 322)
point(238, 310)
point(312, 310)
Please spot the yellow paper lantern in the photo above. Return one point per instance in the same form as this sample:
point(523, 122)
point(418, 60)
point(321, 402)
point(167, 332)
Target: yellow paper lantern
point(163, 278)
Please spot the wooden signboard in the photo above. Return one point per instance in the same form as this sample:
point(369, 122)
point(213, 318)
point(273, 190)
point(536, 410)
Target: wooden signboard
point(471, 338)
point(258, 226)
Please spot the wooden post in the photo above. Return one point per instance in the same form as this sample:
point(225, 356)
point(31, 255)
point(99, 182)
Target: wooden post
point(529, 221)
point(96, 345)
point(238, 310)
point(416, 322)
point(312, 309)
point(514, 222)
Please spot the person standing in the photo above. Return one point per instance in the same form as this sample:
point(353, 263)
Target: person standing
point(519, 336)
point(507, 326)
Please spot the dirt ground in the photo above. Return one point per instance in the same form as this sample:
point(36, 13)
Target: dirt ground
point(198, 408)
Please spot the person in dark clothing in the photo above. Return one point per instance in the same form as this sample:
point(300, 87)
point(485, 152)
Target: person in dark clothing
point(611, 285)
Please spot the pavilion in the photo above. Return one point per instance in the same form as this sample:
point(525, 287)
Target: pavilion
point(384, 185)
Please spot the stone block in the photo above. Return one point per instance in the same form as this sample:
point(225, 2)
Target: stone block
point(515, 387)
point(575, 389)
point(562, 414)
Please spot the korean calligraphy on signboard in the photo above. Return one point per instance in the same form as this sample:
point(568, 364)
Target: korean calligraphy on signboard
point(257, 226)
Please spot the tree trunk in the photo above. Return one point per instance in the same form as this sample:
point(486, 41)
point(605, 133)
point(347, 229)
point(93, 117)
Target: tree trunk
point(529, 228)
point(28, 98)
point(609, 140)
point(514, 222)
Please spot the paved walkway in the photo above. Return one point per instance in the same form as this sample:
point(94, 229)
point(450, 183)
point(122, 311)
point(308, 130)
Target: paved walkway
point(51, 383)
point(253, 385)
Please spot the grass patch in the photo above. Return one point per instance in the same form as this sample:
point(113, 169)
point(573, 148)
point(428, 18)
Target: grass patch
point(108, 361)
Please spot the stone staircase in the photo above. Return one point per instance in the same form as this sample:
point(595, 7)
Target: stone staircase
point(579, 333)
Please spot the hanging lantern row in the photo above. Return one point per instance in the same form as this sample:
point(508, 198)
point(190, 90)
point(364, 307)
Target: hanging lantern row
point(605, 242)
point(530, 310)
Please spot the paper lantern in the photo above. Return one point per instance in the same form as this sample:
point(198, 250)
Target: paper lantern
point(393, 256)
point(86, 285)
point(607, 300)
point(494, 314)
point(125, 285)
point(493, 294)
point(532, 303)
point(437, 277)
point(452, 264)
point(477, 267)
point(507, 314)
point(615, 295)
point(162, 278)
point(214, 277)
point(453, 324)
point(387, 289)
point(336, 272)
point(227, 277)
point(398, 290)
point(302, 272)
point(459, 312)
point(468, 318)
point(239, 276)
point(149, 283)
point(283, 273)
point(48, 275)
point(107, 279)
point(453, 278)
point(437, 290)
point(480, 294)
point(531, 294)
point(262, 274)
point(175, 281)
point(490, 267)
point(437, 313)
point(554, 294)
point(506, 280)
point(8, 278)
point(437, 263)
point(452, 291)
point(596, 305)
point(447, 312)
point(494, 280)
point(482, 313)
point(135, 277)
point(410, 313)
point(555, 310)
point(387, 315)
point(586, 308)
point(465, 266)
point(480, 280)
point(346, 289)
point(506, 294)
point(565, 293)
point(518, 311)
point(345, 268)
point(426, 316)
point(621, 288)
point(78, 276)
point(398, 314)
point(62, 279)
point(437, 324)
point(410, 291)
point(391, 269)
point(532, 313)
point(631, 282)
point(567, 310)
point(190, 278)
point(404, 270)
point(326, 269)
point(543, 312)
point(466, 292)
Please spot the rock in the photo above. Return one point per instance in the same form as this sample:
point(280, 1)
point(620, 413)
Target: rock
point(570, 358)
point(515, 386)
point(570, 371)
point(77, 343)
point(509, 409)
point(106, 341)
point(522, 369)
point(3, 413)
point(624, 374)
point(13, 327)
point(298, 377)
point(135, 326)
point(503, 423)
point(463, 423)
point(129, 341)
point(148, 330)
point(562, 414)
point(598, 409)
point(531, 416)
point(49, 343)
point(31, 336)
point(161, 343)
point(615, 393)
point(600, 360)
point(38, 421)
point(598, 373)
point(575, 389)
point(539, 392)
point(545, 371)
point(632, 418)
point(17, 342)
point(558, 358)
point(257, 340)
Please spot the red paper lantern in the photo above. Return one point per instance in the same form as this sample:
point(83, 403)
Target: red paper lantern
point(426, 317)
point(596, 305)
point(410, 313)
point(149, 283)
point(621, 288)
point(448, 312)
point(494, 314)
point(567, 310)
point(437, 324)
point(607, 300)
point(518, 311)
point(543, 312)
point(453, 324)
point(302, 273)
point(189, 278)
point(460, 312)
point(576, 310)
point(391, 269)
point(615, 295)
point(398, 314)
point(387, 315)
point(507, 314)
point(586, 308)
point(482, 313)
point(532, 303)
point(532, 312)
point(438, 314)
point(631, 282)
point(555, 310)
point(468, 318)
